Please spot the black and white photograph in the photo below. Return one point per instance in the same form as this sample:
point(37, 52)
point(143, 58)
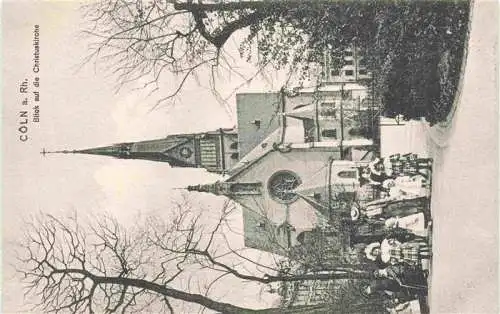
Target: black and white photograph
point(250, 156)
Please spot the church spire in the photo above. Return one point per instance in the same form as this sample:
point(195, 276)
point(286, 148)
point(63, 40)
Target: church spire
point(228, 188)
point(118, 150)
point(215, 151)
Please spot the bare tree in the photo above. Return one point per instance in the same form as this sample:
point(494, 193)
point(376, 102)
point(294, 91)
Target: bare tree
point(144, 39)
point(68, 265)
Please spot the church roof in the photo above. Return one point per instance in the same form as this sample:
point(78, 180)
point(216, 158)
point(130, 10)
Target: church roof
point(163, 144)
point(316, 187)
point(265, 147)
point(304, 112)
point(321, 207)
point(258, 116)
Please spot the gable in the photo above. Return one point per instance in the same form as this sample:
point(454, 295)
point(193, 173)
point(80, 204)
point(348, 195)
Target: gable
point(185, 152)
point(257, 118)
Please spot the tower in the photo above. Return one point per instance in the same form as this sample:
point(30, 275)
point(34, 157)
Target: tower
point(216, 151)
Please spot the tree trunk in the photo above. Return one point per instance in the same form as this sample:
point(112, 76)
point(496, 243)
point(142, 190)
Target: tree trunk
point(227, 307)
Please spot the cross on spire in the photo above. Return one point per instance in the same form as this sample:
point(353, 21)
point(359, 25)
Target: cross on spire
point(45, 152)
point(207, 150)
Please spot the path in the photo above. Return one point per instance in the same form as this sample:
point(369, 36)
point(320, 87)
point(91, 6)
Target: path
point(465, 183)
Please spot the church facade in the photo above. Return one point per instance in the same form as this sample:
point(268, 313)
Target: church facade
point(291, 154)
point(298, 153)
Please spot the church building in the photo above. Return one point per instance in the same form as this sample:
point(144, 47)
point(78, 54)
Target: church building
point(298, 153)
point(290, 156)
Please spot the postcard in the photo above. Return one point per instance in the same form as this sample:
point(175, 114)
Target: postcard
point(249, 156)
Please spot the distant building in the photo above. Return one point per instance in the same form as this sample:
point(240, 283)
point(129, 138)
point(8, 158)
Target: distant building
point(352, 68)
point(348, 66)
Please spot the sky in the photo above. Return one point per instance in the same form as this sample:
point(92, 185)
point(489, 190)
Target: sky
point(80, 108)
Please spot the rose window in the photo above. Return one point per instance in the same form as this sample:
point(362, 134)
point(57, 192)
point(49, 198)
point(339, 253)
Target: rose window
point(186, 152)
point(282, 184)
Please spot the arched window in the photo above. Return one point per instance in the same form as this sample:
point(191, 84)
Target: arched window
point(234, 145)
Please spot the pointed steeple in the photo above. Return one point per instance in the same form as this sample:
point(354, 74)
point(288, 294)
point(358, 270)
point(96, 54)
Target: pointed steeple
point(117, 150)
point(216, 188)
point(122, 150)
point(215, 151)
point(228, 188)
point(156, 150)
point(45, 152)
